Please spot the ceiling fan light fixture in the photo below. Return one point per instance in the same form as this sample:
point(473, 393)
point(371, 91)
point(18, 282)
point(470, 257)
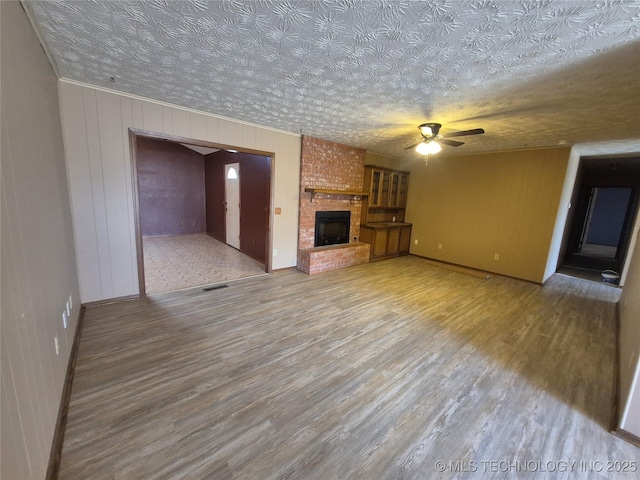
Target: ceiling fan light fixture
point(431, 138)
point(424, 130)
point(426, 148)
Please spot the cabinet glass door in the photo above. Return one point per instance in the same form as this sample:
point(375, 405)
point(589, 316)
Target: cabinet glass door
point(384, 191)
point(375, 187)
point(402, 191)
point(393, 194)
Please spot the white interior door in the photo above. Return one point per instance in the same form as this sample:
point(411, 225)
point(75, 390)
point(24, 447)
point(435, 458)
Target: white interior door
point(232, 201)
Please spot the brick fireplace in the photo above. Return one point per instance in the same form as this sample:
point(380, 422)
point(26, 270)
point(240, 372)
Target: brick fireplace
point(330, 166)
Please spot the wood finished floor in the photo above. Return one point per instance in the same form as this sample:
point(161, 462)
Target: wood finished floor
point(371, 372)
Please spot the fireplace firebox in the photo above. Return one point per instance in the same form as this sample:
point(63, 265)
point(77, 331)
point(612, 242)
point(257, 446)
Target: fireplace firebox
point(332, 227)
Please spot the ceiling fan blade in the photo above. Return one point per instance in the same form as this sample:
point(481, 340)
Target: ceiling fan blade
point(475, 131)
point(413, 146)
point(451, 143)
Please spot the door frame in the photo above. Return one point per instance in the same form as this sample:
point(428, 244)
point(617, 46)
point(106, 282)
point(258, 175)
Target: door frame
point(227, 167)
point(603, 171)
point(134, 133)
point(593, 197)
point(627, 224)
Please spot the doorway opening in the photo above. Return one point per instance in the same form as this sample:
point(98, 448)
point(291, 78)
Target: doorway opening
point(602, 230)
point(180, 209)
point(605, 199)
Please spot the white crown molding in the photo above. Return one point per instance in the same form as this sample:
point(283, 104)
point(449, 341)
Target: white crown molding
point(171, 105)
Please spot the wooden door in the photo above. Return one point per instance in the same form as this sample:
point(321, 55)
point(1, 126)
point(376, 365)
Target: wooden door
point(379, 247)
point(393, 247)
point(405, 240)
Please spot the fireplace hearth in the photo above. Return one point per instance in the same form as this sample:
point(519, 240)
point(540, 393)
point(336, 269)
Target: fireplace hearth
point(332, 227)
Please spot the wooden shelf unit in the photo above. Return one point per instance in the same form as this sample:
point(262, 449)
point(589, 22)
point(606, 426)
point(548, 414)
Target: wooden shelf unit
point(351, 193)
point(383, 212)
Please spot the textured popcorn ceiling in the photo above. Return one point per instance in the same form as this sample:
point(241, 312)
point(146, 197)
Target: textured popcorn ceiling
point(366, 73)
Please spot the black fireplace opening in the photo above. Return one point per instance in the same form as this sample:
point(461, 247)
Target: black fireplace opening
point(332, 227)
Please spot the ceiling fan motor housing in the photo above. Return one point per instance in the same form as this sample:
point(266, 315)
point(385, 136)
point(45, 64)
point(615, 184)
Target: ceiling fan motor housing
point(434, 127)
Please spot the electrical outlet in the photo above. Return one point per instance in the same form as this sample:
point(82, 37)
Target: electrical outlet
point(439, 246)
point(496, 256)
point(275, 252)
point(415, 242)
point(57, 345)
point(64, 318)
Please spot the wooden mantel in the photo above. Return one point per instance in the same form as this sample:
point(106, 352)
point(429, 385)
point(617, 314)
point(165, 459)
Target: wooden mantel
point(351, 193)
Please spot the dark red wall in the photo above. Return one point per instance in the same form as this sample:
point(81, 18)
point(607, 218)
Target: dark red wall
point(255, 188)
point(214, 186)
point(170, 187)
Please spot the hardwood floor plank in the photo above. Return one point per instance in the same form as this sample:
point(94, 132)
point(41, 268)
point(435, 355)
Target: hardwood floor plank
point(374, 371)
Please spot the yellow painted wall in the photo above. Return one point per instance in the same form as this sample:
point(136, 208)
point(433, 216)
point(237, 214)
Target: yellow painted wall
point(477, 206)
point(382, 161)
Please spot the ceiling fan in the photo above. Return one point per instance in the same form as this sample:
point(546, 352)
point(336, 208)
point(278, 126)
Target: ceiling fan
point(432, 138)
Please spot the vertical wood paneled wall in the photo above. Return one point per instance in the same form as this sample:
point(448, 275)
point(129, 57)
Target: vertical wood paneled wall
point(629, 347)
point(38, 259)
point(566, 194)
point(96, 132)
point(382, 161)
point(477, 206)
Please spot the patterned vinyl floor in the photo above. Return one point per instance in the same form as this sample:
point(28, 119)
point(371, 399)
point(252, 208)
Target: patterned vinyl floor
point(184, 261)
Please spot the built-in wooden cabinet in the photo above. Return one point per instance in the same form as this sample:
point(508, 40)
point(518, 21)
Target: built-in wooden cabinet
point(405, 239)
point(387, 239)
point(387, 188)
point(382, 221)
point(403, 185)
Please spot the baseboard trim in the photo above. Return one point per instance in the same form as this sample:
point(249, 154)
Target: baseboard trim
point(284, 269)
point(61, 423)
point(474, 272)
point(615, 421)
point(616, 375)
point(615, 429)
point(107, 301)
point(627, 437)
